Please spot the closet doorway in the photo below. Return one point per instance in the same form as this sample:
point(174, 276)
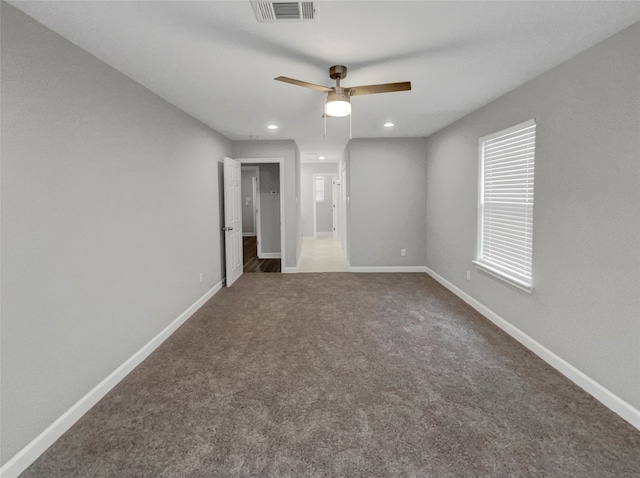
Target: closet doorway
point(261, 194)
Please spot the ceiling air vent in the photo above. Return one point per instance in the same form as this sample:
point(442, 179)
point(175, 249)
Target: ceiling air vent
point(285, 11)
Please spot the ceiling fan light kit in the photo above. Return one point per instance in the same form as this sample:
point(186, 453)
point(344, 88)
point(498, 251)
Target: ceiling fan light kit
point(338, 102)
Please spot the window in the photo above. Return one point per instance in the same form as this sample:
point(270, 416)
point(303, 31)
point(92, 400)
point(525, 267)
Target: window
point(505, 229)
point(320, 189)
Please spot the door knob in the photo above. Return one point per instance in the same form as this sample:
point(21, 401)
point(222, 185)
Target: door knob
point(227, 229)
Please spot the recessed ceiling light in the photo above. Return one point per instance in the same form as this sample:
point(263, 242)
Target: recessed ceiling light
point(253, 136)
point(321, 157)
point(272, 126)
point(388, 125)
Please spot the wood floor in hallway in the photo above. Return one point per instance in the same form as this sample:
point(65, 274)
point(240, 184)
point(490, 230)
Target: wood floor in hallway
point(251, 261)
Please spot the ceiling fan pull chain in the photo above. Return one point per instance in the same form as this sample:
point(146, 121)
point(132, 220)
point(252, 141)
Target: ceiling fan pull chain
point(324, 117)
point(350, 135)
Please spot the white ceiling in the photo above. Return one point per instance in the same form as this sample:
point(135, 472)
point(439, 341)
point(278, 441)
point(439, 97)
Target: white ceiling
point(216, 62)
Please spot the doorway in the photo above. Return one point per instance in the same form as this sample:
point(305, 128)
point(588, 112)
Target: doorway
point(321, 192)
point(325, 205)
point(261, 221)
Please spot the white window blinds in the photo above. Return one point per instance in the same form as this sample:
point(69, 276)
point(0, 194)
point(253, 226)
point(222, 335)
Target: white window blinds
point(506, 203)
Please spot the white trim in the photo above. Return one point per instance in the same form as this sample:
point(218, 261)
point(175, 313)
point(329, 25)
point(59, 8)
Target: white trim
point(506, 131)
point(257, 210)
point(604, 395)
point(512, 281)
point(280, 162)
point(25, 457)
point(387, 269)
point(270, 255)
point(324, 233)
point(248, 234)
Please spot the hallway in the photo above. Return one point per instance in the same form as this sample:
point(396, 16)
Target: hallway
point(322, 255)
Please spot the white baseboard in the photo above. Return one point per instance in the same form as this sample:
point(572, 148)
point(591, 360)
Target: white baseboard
point(269, 255)
point(39, 445)
point(324, 233)
point(387, 269)
point(248, 234)
point(604, 395)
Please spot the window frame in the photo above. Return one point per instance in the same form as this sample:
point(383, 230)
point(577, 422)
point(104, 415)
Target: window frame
point(520, 281)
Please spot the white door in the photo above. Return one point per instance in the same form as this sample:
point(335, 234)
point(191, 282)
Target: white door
point(334, 199)
point(232, 219)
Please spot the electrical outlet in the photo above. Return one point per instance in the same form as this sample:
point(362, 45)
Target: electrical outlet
point(403, 252)
point(468, 275)
point(201, 277)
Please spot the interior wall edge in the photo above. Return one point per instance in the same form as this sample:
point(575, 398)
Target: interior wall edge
point(609, 399)
point(25, 457)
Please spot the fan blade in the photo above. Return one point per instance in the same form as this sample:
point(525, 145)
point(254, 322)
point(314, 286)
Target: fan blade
point(324, 89)
point(384, 88)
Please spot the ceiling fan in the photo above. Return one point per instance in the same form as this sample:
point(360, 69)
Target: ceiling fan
point(338, 102)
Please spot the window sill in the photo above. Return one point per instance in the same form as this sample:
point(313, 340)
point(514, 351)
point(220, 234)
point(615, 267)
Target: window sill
point(512, 281)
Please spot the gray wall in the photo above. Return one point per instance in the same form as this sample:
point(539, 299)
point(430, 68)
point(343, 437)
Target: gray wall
point(307, 170)
point(109, 213)
point(248, 206)
point(387, 201)
point(586, 220)
point(288, 150)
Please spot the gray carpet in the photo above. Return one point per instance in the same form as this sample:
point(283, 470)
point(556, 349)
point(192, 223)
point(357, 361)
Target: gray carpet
point(343, 375)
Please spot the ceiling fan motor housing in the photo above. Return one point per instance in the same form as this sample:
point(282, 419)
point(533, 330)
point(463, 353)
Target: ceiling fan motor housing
point(338, 72)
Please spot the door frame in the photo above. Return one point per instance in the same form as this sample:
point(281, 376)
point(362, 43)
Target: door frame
point(280, 162)
point(315, 204)
point(257, 215)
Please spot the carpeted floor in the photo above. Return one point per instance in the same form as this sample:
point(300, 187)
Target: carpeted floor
point(343, 375)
